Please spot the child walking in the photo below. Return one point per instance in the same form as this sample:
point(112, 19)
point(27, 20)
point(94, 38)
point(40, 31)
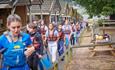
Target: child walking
point(34, 59)
point(61, 40)
point(52, 38)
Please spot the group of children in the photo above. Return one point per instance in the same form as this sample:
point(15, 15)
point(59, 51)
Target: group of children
point(49, 38)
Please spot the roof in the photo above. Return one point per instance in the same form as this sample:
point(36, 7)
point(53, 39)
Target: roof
point(55, 6)
point(46, 7)
point(21, 2)
point(33, 2)
point(4, 1)
point(4, 6)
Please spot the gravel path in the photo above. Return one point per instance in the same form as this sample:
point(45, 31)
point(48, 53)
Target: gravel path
point(81, 60)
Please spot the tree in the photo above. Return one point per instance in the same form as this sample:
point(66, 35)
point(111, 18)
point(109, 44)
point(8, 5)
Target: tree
point(98, 7)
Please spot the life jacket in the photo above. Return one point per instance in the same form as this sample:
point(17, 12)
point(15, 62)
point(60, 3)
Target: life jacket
point(77, 27)
point(43, 31)
point(51, 37)
point(14, 54)
point(67, 31)
point(73, 29)
point(61, 34)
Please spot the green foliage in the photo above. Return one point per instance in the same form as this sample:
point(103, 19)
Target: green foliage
point(100, 22)
point(98, 7)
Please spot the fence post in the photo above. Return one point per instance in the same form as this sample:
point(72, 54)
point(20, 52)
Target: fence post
point(66, 60)
point(55, 67)
point(70, 53)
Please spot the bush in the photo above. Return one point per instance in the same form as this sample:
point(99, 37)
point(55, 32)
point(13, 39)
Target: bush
point(100, 22)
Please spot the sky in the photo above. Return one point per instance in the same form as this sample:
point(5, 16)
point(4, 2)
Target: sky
point(81, 11)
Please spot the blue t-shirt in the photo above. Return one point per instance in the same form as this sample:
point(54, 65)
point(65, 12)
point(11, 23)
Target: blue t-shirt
point(4, 41)
point(13, 54)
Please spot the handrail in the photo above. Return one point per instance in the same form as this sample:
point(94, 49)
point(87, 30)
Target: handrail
point(91, 45)
point(109, 20)
point(67, 54)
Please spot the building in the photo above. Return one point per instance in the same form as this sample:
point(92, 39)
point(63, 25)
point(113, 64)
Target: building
point(6, 6)
point(5, 10)
point(47, 10)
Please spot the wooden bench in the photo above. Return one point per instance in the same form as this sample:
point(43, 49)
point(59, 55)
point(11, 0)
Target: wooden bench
point(102, 46)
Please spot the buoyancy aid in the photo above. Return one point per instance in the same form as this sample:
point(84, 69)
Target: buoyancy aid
point(42, 29)
point(14, 55)
point(67, 30)
point(61, 34)
point(73, 28)
point(52, 37)
point(77, 27)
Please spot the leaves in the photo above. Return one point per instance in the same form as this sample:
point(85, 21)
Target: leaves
point(98, 7)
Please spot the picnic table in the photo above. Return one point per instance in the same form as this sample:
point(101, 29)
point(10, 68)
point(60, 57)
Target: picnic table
point(102, 39)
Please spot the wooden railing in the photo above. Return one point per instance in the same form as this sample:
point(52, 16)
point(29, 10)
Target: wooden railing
point(68, 53)
point(67, 56)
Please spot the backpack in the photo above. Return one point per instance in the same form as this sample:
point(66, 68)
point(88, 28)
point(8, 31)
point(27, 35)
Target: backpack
point(14, 54)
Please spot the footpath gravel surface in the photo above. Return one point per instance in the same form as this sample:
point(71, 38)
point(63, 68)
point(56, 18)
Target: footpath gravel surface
point(81, 60)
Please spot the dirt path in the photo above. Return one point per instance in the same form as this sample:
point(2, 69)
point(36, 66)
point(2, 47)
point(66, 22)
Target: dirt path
point(81, 60)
